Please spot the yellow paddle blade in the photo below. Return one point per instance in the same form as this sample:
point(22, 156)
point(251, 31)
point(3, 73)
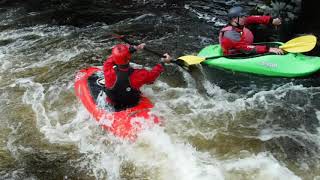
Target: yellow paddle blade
point(300, 44)
point(191, 60)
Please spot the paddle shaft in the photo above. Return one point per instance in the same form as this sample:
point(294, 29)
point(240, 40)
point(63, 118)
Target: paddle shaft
point(124, 39)
point(179, 63)
point(235, 55)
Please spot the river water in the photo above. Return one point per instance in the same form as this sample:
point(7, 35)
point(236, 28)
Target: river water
point(218, 124)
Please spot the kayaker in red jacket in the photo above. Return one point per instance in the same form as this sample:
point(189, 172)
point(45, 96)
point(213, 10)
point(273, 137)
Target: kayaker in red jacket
point(122, 82)
point(236, 39)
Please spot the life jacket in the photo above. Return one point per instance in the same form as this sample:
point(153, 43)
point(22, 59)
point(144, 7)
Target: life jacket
point(121, 93)
point(246, 34)
point(236, 34)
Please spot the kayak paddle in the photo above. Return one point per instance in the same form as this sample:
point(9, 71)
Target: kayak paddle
point(177, 62)
point(124, 39)
point(297, 45)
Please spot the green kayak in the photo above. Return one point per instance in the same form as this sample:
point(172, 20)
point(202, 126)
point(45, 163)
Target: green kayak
point(288, 65)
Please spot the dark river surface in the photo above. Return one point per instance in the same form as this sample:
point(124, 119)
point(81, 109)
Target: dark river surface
point(218, 124)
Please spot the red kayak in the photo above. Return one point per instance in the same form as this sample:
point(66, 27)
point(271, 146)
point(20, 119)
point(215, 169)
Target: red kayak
point(89, 84)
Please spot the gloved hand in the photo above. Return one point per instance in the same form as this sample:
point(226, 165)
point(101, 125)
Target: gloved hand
point(167, 58)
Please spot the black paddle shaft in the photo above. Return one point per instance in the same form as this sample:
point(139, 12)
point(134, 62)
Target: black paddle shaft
point(124, 39)
point(177, 62)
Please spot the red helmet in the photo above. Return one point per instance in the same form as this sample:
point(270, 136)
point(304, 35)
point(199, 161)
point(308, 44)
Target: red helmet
point(121, 54)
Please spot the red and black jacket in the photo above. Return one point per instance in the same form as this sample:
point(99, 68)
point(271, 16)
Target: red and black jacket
point(123, 83)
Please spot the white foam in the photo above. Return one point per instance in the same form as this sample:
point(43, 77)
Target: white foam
point(205, 16)
point(34, 95)
point(156, 151)
point(318, 117)
point(38, 30)
point(163, 155)
point(261, 166)
point(20, 51)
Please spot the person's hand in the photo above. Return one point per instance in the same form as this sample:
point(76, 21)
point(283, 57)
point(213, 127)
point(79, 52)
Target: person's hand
point(166, 58)
point(276, 21)
point(140, 46)
point(276, 51)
